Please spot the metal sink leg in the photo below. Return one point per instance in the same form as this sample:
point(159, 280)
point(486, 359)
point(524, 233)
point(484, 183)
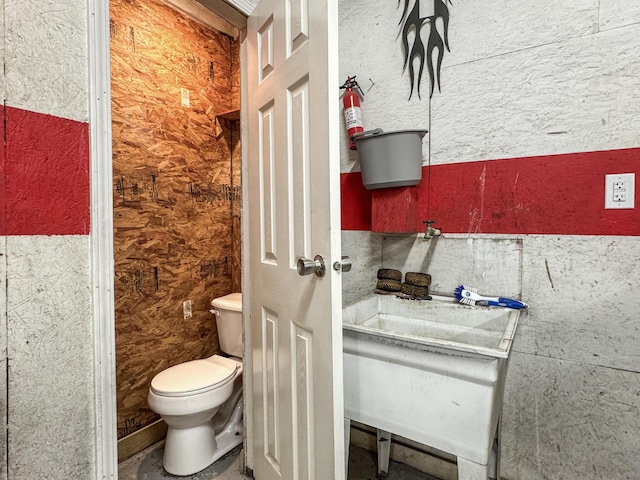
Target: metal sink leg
point(384, 448)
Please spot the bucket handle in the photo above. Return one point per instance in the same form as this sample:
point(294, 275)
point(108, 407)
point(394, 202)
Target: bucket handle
point(367, 134)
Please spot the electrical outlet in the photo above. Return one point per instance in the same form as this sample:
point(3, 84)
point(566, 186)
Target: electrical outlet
point(186, 309)
point(620, 195)
point(619, 191)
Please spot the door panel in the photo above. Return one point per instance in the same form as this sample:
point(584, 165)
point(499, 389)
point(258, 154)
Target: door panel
point(299, 207)
point(292, 120)
point(268, 207)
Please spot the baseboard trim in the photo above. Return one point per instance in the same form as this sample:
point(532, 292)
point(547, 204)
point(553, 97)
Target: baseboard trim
point(139, 440)
point(420, 457)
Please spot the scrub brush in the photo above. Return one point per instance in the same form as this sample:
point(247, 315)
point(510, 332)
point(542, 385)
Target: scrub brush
point(470, 296)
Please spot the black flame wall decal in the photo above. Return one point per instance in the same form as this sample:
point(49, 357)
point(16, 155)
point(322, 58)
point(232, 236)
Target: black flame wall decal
point(412, 23)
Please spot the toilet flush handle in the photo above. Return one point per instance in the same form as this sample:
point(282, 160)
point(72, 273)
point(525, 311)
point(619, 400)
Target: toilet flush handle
point(215, 312)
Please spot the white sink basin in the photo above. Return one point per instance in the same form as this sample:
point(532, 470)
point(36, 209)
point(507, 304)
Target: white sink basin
point(439, 322)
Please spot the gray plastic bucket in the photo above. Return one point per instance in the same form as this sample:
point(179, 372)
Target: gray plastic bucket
point(390, 159)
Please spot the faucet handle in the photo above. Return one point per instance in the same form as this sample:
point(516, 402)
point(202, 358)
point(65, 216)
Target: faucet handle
point(428, 222)
point(429, 231)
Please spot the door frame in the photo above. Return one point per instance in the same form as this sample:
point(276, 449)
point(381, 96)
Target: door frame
point(101, 235)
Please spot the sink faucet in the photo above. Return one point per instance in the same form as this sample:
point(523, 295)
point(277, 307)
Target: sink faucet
point(431, 232)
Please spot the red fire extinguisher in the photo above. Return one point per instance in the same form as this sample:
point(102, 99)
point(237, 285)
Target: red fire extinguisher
point(351, 105)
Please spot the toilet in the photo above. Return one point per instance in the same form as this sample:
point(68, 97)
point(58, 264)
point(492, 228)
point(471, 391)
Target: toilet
point(201, 400)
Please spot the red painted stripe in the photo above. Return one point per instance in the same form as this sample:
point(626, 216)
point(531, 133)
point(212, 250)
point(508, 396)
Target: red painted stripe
point(46, 172)
point(3, 197)
point(556, 194)
point(356, 206)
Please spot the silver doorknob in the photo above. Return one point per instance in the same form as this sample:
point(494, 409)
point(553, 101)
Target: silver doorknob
point(307, 266)
point(344, 264)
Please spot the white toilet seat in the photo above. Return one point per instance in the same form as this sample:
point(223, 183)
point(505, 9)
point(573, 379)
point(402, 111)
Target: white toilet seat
point(194, 377)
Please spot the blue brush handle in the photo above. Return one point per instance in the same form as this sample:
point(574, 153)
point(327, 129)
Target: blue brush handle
point(507, 302)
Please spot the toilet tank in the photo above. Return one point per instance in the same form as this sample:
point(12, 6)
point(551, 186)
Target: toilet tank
point(228, 311)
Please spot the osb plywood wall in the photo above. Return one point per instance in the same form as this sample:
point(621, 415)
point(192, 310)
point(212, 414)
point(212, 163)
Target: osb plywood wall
point(176, 192)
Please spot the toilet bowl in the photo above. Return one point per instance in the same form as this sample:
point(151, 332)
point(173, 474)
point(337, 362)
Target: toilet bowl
point(201, 401)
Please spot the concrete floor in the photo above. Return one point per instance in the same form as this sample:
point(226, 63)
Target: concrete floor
point(147, 465)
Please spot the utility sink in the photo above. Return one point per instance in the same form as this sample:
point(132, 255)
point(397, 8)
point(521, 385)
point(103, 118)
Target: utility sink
point(440, 322)
point(432, 371)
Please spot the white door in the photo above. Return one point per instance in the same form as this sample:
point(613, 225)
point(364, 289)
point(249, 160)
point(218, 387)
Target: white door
point(291, 106)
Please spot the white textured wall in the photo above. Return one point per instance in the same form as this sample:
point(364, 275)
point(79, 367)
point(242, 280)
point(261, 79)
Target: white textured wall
point(50, 358)
point(573, 391)
point(2, 49)
point(3, 356)
point(48, 278)
point(365, 251)
point(3, 292)
point(526, 79)
point(560, 97)
point(46, 57)
point(369, 49)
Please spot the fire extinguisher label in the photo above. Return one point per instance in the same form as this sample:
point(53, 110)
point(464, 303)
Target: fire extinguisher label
point(353, 117)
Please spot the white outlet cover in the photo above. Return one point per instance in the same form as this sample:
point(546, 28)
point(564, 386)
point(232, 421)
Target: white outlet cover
point(629, 181)
point(186, 309)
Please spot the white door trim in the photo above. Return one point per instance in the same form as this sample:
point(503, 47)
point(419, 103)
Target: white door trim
point(244, 6)
point(246, 269)
point(102, 260)
point(102, 263)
